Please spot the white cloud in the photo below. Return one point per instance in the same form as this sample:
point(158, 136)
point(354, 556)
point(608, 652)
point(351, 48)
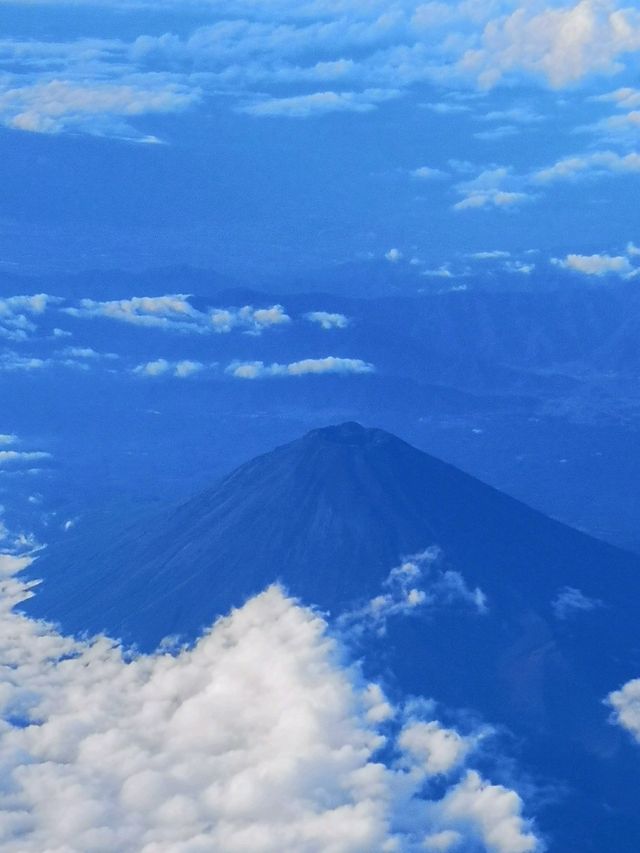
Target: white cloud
point(562, 45)
point(421, 582)
point(14, 361)
point(570, 601)
point(597, 164)
point(175, 313)
point(625, 98)
point(329, 364)
point(394, 255)
point(626, 705)
point(328, 320)
point(19, 456)
point(493, 811)
point(448, 839)
point(428, 173)
point(16, 313)
point(57, 105)
point(597, 265)
point(163, 367)
point(443, 271)
point(438, 750)
point(208, 749)
point(319, 103)
point(495, 254)
point(502, 131)
point(373, 50)
point(495, 187)
point(8, 438)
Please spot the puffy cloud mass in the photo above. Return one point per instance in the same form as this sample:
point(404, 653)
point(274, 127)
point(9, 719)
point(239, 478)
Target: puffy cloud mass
point(329, 364)
point(206, 748)
point(562, 44)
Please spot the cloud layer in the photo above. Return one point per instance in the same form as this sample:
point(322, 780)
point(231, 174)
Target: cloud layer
point(348, 56)
point(206, 748)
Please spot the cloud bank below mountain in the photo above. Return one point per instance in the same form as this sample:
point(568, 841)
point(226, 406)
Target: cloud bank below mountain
point(207, 748)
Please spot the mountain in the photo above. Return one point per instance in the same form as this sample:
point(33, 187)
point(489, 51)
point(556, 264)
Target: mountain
point(527, 622)
point(329, 515)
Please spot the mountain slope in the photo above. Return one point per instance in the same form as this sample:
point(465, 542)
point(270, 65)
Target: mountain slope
point(329, 515)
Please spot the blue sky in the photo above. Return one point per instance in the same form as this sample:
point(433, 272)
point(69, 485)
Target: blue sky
point(269, 137)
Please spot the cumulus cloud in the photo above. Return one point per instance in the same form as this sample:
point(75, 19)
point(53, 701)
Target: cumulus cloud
point(492, 810)
point(162, 367)
point(562, 45)
point(175, 313)
point(329, 364)
point(422, 582)
point(328, 320)
point(206, 748)
point(597, 265)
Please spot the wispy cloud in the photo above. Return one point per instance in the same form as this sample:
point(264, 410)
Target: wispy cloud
point(421, 582)
point(570, 601)
point(96, 107)
point(318, 103)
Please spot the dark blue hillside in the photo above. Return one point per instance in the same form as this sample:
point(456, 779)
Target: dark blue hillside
point(330, 514)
